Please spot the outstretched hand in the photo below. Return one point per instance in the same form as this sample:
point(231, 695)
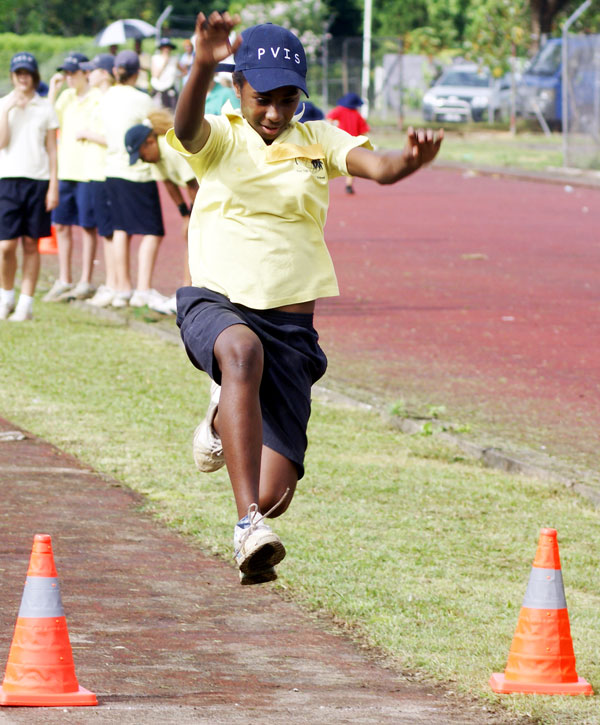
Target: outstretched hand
point(212, 37)
point(422, 146)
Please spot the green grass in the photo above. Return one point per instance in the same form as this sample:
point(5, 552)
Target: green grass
point(411, 548)
point(479, 144)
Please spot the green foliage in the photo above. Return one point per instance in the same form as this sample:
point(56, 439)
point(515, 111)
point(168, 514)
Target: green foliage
point(57, 17)
point(495, 31)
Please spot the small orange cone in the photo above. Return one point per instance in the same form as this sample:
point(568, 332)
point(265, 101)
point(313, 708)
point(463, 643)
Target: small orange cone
point(48, 245)
point(541, 658)
point(40, 670)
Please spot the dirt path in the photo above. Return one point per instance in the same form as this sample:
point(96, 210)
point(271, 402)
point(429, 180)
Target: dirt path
point(164, 634)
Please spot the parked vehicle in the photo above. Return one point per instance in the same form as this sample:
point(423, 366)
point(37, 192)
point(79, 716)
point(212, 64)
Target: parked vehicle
point(540, 88)
point(464, 92)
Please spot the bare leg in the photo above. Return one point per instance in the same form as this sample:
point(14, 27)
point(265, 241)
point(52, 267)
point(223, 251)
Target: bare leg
point(147, 254)
point(64, 239)
point(8, 263)
point(258, 474)
point(109, 262)
point(121, 242)
point(31, 266)
point(89, 240)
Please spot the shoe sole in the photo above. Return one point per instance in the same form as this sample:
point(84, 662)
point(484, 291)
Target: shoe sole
point(258, 577)
point(266, 553)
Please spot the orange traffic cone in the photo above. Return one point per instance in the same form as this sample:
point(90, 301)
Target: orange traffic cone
point(48, 245)
point(40, 670)
point(541, 658)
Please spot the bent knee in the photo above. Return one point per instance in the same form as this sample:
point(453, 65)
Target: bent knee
point(239, 352)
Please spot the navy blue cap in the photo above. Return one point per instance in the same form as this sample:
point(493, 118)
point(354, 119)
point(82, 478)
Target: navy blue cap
point(270, 57)
point(23, 61)
point(166, 43)
point(73, 62)
point(106, 61)
point(134, 138)
point(350, 100)
point(129, 60)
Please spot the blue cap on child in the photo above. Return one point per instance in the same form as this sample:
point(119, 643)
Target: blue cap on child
point(270, 57)
point(350, 100)
point(23, 61)
point(134, 138)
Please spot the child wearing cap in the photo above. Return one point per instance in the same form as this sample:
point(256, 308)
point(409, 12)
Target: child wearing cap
point(147, 141)
point(73, 107)
point(28, 183)
point(163, 74)
point(132, 190)
point(258, 262)
point(346, 116)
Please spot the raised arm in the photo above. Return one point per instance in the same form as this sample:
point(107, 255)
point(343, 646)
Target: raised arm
point(387, 167)
point(212, 47)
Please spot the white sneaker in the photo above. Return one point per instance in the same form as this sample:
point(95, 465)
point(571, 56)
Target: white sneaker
point(21, 315)
point(147, 298)
point(57, 291)
point(257, 548)
point(121, 299)
point(207, 447)
point(5, 310)
point(168, 307)
point(103, 297)
point(81, 291)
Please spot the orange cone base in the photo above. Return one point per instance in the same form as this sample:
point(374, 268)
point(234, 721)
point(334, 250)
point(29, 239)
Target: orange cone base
point(500, 684)
point(60, 699)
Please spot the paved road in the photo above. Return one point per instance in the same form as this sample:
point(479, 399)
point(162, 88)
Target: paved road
point(164, 634)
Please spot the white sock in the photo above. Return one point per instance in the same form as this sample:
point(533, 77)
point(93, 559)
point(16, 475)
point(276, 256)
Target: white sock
point(7, 296)
point(25, 303)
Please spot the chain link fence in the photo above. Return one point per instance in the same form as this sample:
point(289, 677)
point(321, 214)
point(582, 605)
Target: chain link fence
point(397, 82)
point(581, 101)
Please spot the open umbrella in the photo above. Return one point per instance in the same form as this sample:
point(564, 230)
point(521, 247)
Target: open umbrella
point(119, 31)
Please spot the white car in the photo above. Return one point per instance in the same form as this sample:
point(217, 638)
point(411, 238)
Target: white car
point(464, 92)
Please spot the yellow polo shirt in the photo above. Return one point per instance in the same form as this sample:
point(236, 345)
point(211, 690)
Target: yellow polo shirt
point(171, 166)
point(95, 153)
point(74, 113)
point(122, 107)
point(256, 229)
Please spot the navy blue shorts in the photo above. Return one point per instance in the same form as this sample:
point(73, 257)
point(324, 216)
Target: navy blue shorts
point(23, 209)
point(293, 361)
point(101, 208)
point(135, 206)
point(75, 204)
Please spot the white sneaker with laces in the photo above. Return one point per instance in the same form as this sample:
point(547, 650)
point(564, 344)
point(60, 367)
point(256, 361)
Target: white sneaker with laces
point(207, 447)
point(257, 548)
point(57, 291)
point(103, 297)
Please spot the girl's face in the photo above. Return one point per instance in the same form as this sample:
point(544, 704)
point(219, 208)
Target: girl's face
point(149, 150)
point(76, 79)
point(23, 80)
point(268, 113)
